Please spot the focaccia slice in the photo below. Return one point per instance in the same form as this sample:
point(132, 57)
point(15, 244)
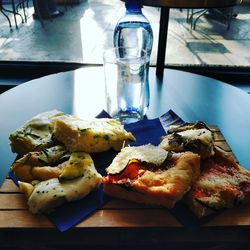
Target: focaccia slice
point(35, 134)
point(54, 162)
point(222, 184)
point(194, 137)
point(150, 175)
point(46, 195)
point(97, 135)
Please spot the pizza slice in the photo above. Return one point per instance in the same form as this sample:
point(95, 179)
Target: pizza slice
point(97, 135)
point(35, 134)
point(222, 184)
point(78, 178)
point(150, 175)
point(194, 137)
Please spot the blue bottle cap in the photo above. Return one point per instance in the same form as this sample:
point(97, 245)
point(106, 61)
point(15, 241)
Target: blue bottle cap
point(132, 4)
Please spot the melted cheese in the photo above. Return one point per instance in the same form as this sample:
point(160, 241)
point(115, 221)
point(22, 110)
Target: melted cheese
point(221, 181)
point(215, 181)
point(204, 135)
point(147, 153)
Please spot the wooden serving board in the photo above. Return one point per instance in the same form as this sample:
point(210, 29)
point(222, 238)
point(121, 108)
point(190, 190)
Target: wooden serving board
point(117, 216)
point(221, 142)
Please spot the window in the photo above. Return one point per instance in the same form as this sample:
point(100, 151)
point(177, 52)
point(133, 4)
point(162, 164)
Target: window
point(79, 36)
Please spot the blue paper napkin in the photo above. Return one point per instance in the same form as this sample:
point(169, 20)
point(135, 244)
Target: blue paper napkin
point(145, 131)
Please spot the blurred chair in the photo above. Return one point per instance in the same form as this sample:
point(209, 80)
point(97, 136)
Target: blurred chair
point(3, 11)
point(222, 14)
point(17, 6)
point(14, 7)
point(22, 5)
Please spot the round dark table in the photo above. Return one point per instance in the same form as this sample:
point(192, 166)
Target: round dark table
point(81, 92)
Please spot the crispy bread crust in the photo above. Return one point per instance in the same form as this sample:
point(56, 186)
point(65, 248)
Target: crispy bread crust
point(161, 187)
point(119, 192)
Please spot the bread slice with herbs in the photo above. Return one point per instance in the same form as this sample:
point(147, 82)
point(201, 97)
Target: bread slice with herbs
point(96, 135)
point(35, 134)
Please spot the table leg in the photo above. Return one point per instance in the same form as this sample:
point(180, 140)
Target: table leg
point(162, 42)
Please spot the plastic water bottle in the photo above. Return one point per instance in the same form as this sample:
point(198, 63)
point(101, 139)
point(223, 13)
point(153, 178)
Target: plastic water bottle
point(134, 30)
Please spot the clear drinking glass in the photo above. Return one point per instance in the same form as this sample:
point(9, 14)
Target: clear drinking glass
point(125, 72)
